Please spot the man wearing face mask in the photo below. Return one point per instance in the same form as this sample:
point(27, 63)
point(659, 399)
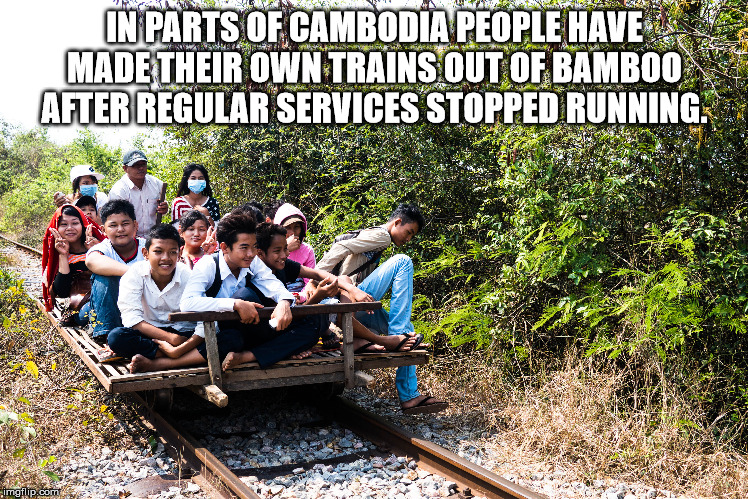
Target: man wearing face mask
point(85, 183)
point(141, 189)
point(195, 193)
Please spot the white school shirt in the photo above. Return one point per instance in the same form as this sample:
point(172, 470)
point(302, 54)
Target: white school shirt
point(144, 200)
point(105, 248)
point(204, 273)
point(140, 299)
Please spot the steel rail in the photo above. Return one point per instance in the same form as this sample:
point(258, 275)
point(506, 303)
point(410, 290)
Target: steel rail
point(27, 248)
point(196, 455)
point(429, 455)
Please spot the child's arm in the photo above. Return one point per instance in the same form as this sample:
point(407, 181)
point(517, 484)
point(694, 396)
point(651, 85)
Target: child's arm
point(325, 289)
point(98, 263)
point(156, 333)
point(368, 240)
point(174, 352)
point(354, 293)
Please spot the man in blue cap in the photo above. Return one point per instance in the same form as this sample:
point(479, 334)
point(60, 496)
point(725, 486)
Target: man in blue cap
point(141, 189)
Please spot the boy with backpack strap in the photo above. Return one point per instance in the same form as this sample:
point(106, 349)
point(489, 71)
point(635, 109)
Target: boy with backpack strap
point(356, 254)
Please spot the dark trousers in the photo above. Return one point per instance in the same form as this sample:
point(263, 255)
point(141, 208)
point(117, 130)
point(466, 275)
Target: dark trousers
point(267, 345)
point(128, 342)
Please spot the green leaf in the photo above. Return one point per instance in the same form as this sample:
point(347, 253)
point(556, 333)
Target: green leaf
point(19, 453)
point(52, 475)
point(24, 400)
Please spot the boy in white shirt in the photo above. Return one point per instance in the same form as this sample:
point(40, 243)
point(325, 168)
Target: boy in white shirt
point(149, 292)
point(108, 261)
point(233, 279)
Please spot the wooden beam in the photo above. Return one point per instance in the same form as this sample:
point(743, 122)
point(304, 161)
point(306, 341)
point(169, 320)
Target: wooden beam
point(214, 361)
point(266, 312)
point(348, 370)
point(211, 393)
point(363, 379)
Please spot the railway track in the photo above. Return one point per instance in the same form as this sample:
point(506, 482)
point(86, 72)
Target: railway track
point(220, 480)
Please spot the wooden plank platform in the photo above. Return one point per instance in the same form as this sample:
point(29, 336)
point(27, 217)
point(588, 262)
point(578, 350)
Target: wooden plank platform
point(321, 367)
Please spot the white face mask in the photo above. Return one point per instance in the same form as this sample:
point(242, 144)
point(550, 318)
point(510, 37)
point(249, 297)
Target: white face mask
point(196, 186)
point(88, 190)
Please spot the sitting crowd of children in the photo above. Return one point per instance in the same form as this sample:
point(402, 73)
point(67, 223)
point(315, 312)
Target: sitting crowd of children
point(253, 257)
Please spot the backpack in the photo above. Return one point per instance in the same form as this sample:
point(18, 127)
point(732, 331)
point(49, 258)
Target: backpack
point(373, 259)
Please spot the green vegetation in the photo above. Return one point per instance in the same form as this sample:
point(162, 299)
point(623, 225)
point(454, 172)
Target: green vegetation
point(622, 249)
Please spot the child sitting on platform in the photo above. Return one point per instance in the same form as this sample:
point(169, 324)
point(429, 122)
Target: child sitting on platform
point(272, 249)
point(233, 279)
point(357, 254)
point(148, 292)
point(199, 237)
point(294, 222)
point(109, 260)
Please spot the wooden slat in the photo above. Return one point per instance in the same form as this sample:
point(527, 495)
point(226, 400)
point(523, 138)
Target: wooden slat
point(90, 363)
point(166, 382)
point(184, 371)
point(256, 384)
point(92, 347)
point(266, 312)
point(286, 372)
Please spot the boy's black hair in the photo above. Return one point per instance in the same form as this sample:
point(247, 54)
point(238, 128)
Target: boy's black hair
point(189, 219)
point(183, 189)
point(235, 223)
point(272, 208)
point(265, 234)
point(84, 201)
point(70, 211)
point(77, 182)
point(116, 207)
point(253, 208)
point(408, 213)
point(162, 231)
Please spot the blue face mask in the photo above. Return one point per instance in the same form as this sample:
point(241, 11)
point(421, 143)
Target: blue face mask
point(89, 190)
point(196, 186)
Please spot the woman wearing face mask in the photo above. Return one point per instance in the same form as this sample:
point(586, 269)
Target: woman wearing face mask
point(194, 193)
point(85, 183)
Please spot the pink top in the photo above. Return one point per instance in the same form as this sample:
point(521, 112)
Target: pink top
point(305, 254)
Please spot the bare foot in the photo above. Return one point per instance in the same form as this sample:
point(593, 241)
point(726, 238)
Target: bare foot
point(139, 364)
point(234, 359)
point(302, 355)
point(360, 345)
point(230, 361)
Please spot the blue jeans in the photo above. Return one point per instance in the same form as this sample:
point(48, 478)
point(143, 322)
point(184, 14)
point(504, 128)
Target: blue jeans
point(396, 274)
point(104, 294)
point(81, 318)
